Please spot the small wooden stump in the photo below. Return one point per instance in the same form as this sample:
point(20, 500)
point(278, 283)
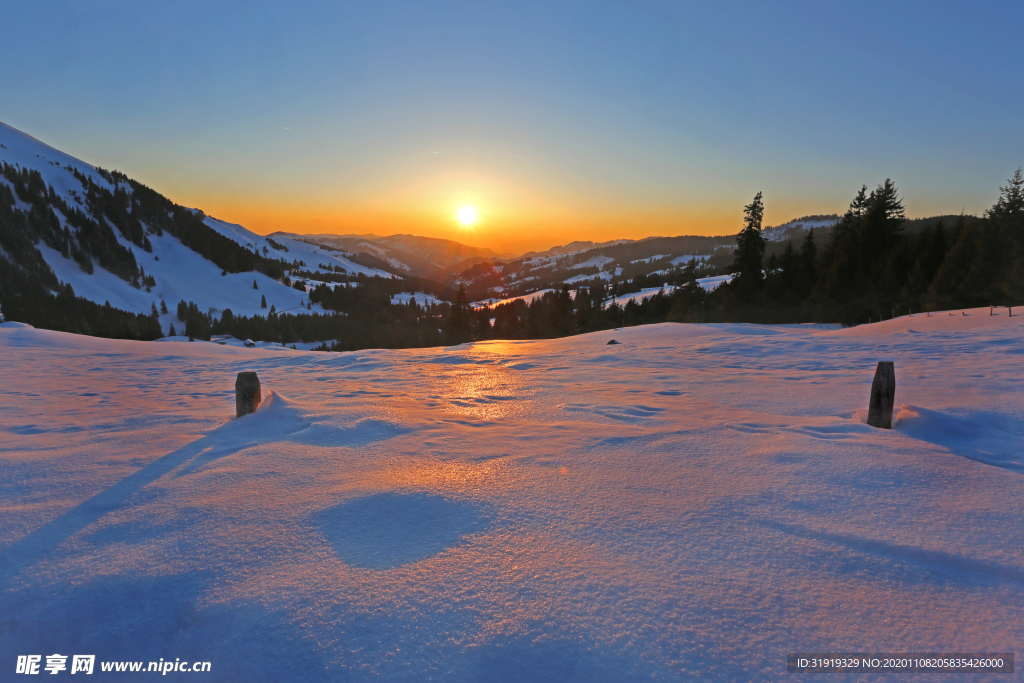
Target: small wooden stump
point(247, 393)
point(883, 395)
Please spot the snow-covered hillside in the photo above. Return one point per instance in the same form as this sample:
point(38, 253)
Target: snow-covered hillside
point(313, 257)
point(179, 271)
point(693, 503)
point(426, 257)
point(620, 264)
point(796, 227)
point(708, 284)
point(422, 299)
point(584, 263)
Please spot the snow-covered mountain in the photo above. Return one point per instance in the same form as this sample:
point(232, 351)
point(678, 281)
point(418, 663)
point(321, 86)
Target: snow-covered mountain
point(75, 232)
point(797, 226)
point(64, 222)
point(425, 257)
point(577, 247)
point(626, 266)
point(613, 263)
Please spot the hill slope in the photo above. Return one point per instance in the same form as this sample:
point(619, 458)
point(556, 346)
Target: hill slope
point(424, 257)
point(111, 239)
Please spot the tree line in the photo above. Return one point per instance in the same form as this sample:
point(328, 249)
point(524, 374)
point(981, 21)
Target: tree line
point(871, 269)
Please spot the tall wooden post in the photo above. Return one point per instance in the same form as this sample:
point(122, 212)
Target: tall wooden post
point(883, 395)
point(247, 393)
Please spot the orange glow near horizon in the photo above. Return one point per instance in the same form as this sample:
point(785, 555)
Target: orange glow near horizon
point(476, 209)
point(504, 231)
point(524, 199)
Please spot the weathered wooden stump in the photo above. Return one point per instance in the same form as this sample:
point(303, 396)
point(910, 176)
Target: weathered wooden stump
point(883, 395)
point(247, 393)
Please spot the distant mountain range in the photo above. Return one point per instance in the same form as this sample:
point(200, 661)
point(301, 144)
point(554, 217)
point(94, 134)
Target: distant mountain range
point(426, 257)
point(69, 227)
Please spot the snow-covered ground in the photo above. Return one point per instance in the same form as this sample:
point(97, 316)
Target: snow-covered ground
point(422, 299)
point(686, 258)
point(692, 503)
point(228, 340)
point(493, 302)
point(637, 296)
point(593, 262)
point(713, 282)
point(710, 283)
point(587, 277)
point(796, 226)
point(180, 276)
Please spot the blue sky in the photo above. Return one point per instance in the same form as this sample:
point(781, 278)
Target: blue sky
point(584, 119)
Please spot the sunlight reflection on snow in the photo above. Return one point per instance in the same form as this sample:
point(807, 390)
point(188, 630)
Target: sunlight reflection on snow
point(482, 392)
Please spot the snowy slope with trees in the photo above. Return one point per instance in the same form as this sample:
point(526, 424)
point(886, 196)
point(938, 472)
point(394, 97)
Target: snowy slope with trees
point(425, 257)
point(695, 502)
point(796, 227)
point(113, 240)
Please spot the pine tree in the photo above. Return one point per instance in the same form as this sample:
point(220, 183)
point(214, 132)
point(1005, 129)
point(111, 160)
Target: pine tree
point(808, 262)
point(885, 203)
point(458, 323)
point(790, 268)
point(263, 301)
point(859, 204)
point(1006, 218)
point(749, 253)
point(842, 257)
point(879, 268)
point(1011, 199)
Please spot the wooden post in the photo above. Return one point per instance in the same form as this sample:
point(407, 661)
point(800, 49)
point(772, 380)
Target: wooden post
point(247, 393)
point(883, 393)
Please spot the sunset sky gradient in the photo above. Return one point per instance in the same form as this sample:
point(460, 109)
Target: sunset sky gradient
point(559, 121)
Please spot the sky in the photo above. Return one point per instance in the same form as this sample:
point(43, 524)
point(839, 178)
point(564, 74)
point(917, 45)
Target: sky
point(558, 121)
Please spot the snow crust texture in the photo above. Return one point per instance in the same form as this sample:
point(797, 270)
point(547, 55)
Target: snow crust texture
point(692, 503)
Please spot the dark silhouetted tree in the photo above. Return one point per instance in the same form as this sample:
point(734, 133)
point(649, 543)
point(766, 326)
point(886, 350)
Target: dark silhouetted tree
point(749, 254)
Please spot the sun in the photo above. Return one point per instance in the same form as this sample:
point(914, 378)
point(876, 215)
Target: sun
point(467, 216)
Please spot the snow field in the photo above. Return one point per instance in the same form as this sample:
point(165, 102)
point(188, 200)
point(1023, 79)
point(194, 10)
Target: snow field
point(693, 503)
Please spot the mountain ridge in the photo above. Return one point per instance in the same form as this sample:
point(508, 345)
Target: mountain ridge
point(90, 244)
